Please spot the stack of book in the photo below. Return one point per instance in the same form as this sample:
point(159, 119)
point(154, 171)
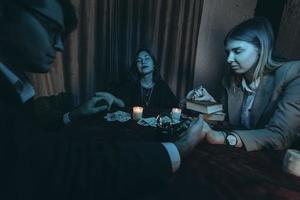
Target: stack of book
point(208, 110)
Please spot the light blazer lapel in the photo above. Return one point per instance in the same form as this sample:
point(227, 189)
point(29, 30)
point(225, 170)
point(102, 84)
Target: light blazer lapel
point(262, 98)
point(235, 101)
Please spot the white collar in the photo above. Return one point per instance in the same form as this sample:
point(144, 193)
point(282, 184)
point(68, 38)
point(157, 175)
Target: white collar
point(22, 86)
point(252, 86)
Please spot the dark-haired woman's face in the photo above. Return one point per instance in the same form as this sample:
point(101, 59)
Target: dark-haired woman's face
point(144, 63)
point(241, 55)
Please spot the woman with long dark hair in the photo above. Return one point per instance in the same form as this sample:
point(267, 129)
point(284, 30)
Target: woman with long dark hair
point(146, 87)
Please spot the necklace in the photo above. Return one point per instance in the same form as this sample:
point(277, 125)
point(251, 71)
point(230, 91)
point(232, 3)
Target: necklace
point(147, 86)
point(146, 94)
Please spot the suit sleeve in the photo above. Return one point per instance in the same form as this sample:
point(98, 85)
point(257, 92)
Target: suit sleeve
point(66, 166)
point(284, 126)
point(49, 111)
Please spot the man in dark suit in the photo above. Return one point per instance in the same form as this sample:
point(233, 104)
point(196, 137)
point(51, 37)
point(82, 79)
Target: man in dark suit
point(38, 165)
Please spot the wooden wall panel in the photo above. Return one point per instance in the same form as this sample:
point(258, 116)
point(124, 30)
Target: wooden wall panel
point(288, 41)
point(218, 17)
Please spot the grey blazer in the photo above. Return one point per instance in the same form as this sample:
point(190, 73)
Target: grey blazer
point(275, 114)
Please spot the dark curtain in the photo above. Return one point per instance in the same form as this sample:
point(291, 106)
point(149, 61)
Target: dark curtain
point(102, 49)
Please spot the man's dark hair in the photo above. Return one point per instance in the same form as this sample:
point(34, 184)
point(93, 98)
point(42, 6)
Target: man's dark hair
point(70, 19)
point(8, 9)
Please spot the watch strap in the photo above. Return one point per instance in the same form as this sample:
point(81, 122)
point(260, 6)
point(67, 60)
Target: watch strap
point(225, 135)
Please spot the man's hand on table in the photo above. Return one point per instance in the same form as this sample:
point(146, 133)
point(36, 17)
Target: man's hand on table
point(194, 135)
point(101, 101)
point(92, 106)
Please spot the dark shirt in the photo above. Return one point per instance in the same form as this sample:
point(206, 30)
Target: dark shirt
point(161, 96)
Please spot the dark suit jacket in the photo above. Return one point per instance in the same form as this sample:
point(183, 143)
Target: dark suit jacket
point(43, 165)
point(275, 114)
point(49, 110)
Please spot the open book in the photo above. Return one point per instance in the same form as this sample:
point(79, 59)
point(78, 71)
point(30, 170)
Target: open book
point(206, 107)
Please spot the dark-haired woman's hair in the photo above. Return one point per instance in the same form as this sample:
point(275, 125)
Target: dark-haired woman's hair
point(257, 31)
point(134, 72)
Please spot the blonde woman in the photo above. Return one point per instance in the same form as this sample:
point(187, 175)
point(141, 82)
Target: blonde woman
point(261, 94)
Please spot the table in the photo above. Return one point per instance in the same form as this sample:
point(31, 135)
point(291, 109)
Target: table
point(211, 171)
point(232, 173)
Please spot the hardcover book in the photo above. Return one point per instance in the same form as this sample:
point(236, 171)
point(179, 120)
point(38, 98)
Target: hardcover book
point(206, 107)
point(217, 116)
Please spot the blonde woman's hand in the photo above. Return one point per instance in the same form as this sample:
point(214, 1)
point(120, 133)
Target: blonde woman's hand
point(200, 94)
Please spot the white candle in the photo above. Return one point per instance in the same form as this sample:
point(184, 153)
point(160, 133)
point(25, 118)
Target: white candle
point(176, 113)
point(137, 112)
point(291, 162)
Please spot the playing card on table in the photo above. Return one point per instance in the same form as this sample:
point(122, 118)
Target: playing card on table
point(175, 121)
point(151, 121)
point(118, 116)
point(166, 119)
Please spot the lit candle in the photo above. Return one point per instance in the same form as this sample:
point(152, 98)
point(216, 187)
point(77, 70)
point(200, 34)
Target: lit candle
point(137, 112)
point(291, 162)
point(176, 113)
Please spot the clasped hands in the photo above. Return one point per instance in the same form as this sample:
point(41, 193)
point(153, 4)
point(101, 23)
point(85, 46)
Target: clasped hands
point(204, 131)
point(199, 130)
point(201, 94)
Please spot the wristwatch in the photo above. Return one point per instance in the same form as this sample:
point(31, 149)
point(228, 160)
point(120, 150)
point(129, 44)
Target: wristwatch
point(230, 139)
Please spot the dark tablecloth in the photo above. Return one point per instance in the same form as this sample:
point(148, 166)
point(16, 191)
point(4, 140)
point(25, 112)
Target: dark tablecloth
point(211, 171)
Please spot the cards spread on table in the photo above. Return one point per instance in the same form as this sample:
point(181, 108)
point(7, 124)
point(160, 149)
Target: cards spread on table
point(118, 116)
point(151, 121)
point(121, 116)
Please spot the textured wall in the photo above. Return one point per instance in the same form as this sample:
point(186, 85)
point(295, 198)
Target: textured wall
point(218, 17)
point(288, 41)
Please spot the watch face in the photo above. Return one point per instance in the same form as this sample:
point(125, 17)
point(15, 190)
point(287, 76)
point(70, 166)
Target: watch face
point(231, 140)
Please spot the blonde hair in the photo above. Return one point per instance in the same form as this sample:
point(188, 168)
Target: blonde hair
point(257, 31)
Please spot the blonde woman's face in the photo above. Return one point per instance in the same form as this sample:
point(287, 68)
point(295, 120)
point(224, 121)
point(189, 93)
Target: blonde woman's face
point(241, 55)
